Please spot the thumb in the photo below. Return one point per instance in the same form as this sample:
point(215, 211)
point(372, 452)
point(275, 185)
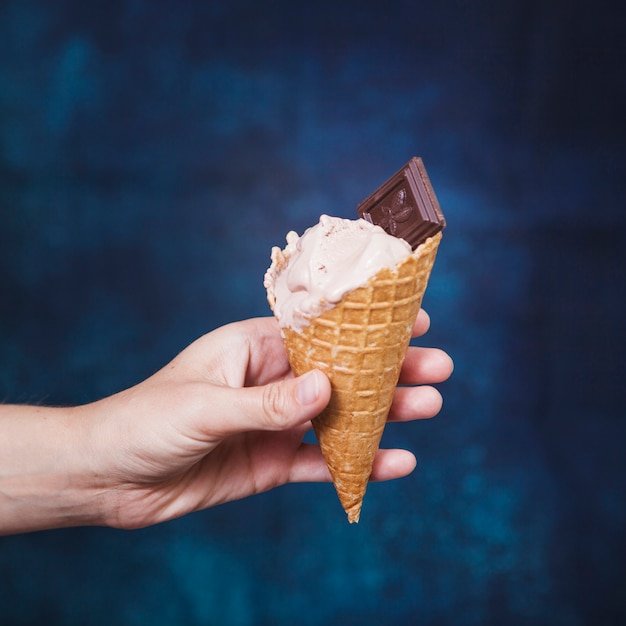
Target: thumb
point(276, 406)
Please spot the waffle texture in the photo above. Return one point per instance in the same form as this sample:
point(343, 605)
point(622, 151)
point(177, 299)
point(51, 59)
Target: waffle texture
point(360, 344)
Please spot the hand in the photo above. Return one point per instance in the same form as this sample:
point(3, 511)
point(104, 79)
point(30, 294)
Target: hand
point(226, 418)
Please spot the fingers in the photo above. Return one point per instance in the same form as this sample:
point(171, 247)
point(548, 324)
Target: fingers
point(414, 403)
point(392, 464)
point(267, 357)
point(425, 366)
point(422, 366)
point(246, 353)
point(309, 465)
point(276, 406)
point(422, 324)
point(285, 404)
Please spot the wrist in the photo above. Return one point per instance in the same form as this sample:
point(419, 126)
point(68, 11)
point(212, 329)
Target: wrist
point(46, 477)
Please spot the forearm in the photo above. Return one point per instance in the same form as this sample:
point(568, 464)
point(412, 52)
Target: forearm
point(45, 477)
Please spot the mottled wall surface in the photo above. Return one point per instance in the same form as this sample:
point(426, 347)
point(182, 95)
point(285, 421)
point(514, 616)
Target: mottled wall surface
point(151, 153)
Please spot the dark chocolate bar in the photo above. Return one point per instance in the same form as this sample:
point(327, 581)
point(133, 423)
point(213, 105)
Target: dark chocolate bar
point(406, 205)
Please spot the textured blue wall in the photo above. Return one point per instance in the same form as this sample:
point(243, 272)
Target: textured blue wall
point(151, 153)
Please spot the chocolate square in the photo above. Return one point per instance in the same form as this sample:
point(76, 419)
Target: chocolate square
point(406, 205)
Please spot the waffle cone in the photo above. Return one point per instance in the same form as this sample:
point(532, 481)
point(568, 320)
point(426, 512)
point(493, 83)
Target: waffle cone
point(360, 344)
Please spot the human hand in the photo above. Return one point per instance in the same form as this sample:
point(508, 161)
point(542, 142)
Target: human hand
point(225, 419)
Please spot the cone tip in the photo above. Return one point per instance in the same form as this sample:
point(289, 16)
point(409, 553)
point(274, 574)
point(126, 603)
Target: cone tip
point(354, 514)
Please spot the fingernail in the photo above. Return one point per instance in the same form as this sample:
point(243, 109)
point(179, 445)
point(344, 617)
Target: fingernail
point(308, 389)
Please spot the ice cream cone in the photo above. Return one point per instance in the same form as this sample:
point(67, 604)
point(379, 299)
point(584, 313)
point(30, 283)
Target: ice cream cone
point(360, 344)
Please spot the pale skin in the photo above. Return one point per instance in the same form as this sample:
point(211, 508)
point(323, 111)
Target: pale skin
point(224, 420)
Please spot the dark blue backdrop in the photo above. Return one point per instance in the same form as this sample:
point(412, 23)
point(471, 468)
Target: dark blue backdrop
point(151, 153)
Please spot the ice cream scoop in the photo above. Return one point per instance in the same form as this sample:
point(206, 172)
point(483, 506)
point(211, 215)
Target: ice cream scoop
point(333, 257)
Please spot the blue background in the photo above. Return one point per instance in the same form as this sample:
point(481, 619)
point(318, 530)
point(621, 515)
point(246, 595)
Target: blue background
point(151, 153)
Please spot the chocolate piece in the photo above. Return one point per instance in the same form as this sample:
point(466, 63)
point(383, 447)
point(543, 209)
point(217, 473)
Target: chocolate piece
point(406, 205)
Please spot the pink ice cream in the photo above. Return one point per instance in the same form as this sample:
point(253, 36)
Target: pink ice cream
point(315, 271)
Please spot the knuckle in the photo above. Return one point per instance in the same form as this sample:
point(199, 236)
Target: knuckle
point(274, 406)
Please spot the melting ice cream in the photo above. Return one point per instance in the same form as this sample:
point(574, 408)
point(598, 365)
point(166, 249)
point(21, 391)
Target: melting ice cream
point(314, 271)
